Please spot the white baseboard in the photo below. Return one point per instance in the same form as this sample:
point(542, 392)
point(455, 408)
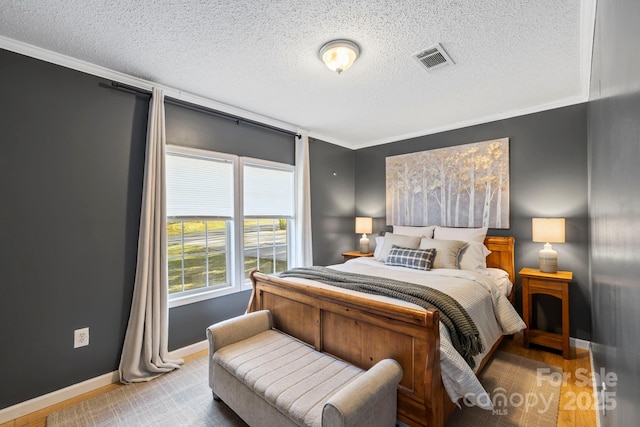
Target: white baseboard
point(579, 343)
point(29, 406)
point(41, 402)
point(586, 345)
point(190, 349)
point(595, 390)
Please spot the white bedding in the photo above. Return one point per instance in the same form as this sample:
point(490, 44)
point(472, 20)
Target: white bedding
point(483, 298)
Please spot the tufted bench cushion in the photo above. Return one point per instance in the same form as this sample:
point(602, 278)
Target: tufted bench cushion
point(288, 374)
point(272, 379)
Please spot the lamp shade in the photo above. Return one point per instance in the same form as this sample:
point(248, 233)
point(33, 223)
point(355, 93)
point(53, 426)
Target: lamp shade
point(364, 225)
point(548, 230)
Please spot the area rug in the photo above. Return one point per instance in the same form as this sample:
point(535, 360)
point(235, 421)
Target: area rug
point(524, 392)
point(183, 398)
point(179, 398)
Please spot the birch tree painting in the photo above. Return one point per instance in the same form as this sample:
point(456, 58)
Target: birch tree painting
point(462, 186)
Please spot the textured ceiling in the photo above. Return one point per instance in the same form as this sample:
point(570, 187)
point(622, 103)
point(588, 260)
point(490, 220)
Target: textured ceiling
point(261, 56)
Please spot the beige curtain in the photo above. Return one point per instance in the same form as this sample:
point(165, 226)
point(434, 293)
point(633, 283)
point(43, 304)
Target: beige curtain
point(303, 243)
point(145, 350)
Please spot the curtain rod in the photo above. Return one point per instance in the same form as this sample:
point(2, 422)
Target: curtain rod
point(221, 114)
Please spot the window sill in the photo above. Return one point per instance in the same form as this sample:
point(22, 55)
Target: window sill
point(201, 296)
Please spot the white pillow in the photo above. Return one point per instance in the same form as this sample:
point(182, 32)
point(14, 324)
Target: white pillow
point(406, 230)
point(447, 251)
point(474, 257)
point(390, 239)
point(378, 248)
point(465, 234)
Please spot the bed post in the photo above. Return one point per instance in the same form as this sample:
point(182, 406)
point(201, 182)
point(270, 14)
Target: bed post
point(434, 396)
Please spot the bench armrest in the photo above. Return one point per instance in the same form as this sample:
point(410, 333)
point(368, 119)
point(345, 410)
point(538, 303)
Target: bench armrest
point(369, 400)
point(237, 329)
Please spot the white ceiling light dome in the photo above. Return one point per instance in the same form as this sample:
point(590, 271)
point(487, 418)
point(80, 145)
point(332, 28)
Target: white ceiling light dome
point(339, 55)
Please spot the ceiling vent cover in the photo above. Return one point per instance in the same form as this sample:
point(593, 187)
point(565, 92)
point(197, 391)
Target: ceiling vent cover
point(433, 57)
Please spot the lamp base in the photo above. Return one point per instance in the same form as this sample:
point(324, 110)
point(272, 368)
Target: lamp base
point(548, 261)
point(364, 246)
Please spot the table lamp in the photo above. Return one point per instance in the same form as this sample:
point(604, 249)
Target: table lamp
point(548, 230)
point(364, 225)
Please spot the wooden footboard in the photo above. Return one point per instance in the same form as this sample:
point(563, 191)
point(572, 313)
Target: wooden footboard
point(363, 331)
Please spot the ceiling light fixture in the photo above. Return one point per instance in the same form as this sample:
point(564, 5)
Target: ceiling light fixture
point(339, 55)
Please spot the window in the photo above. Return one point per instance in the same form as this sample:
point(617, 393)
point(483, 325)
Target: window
point(268, 191)
point(200, 211)
point(209, 214)
point(197, 255)
point(266, 245)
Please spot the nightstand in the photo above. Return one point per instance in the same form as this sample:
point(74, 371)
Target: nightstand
point(354, 254)
point(557, 285)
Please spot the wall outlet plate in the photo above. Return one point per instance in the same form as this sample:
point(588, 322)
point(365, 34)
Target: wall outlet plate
point(80, 337)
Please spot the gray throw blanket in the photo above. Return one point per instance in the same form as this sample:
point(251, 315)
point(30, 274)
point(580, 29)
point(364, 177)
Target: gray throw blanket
point(464, 334)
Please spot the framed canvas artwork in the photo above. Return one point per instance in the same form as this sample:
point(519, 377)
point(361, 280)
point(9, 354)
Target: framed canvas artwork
point(460, 186)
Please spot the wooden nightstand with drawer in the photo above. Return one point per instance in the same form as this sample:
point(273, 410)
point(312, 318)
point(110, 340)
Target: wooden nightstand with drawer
point(557, 285)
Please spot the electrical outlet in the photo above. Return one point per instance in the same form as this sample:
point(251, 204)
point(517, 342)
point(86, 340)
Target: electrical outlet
point(80, 337)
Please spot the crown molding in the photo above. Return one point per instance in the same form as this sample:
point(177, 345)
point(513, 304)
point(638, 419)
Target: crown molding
point(106, 73)
point(478, 121)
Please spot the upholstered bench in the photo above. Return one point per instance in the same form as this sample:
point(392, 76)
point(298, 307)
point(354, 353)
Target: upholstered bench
point(271, 379)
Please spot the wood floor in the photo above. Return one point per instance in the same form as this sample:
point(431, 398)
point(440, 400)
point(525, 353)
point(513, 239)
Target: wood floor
point(39, 418)
point(574, 394)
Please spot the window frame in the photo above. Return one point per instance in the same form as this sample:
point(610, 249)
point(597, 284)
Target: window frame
point(180, 299)
point(245, 284)
point(268, 164)
point(235, 229)
point(228, 256)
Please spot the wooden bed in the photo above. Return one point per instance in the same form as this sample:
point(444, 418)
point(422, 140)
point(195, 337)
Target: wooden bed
point(362, 331)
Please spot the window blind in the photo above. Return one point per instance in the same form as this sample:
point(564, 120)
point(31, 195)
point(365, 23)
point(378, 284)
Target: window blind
point(268, 192)
point(199, 186)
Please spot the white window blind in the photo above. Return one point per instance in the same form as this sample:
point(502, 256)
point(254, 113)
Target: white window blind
point(199, 186)
point(268, 192)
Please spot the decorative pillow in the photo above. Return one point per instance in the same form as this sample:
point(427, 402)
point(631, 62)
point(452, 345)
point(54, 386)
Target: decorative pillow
point(447, 251)
point(474, 257)
point(378, 248)
point(390, 239)
point(465, 234)
point(419, 259)
point(406, 230)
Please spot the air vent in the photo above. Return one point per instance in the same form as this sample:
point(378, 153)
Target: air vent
point(433, 57)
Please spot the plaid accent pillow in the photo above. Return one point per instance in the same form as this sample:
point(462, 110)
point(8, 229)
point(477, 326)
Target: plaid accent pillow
point(419, 259)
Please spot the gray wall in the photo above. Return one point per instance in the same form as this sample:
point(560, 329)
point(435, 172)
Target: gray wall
point(614, 151)
point(548, 165)
point(71, 173)
point(197, 129)
point(332, 201)
point(70, 189)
